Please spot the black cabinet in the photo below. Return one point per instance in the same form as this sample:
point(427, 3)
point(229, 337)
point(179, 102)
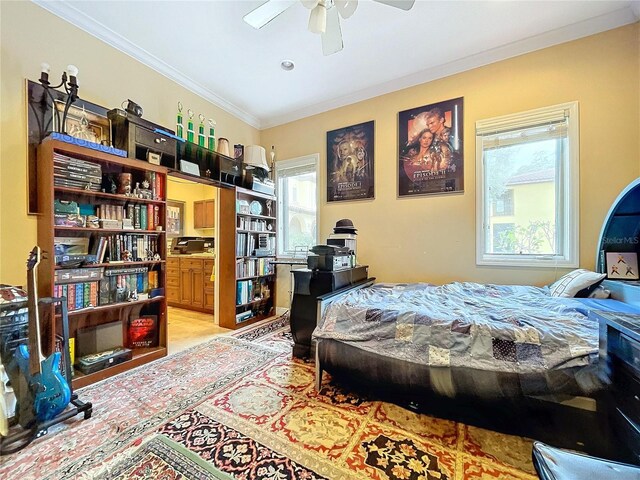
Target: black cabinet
point(140, 137)
point(620, 358)
point(308, 286)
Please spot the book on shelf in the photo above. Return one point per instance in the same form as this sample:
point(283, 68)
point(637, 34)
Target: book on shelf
point(143, 332)
point(79, 295)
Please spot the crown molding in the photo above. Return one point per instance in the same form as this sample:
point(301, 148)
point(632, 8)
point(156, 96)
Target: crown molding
point(618, 18)
point(571, 32)
point(71, 14)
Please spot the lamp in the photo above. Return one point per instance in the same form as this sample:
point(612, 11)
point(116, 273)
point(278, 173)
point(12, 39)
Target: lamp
point(70, 83)
point(255, 158)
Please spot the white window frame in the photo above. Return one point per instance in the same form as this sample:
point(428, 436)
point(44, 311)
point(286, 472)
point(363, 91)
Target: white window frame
point(568, 213)
point(281, 165)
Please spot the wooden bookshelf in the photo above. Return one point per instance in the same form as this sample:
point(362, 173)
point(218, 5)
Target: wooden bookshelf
point(81, 316)
point(263, 287)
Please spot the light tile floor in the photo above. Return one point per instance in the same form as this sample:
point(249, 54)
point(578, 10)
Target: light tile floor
point(187, 328)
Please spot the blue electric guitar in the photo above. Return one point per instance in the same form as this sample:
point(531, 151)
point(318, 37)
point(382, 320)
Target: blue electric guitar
point(48, 389)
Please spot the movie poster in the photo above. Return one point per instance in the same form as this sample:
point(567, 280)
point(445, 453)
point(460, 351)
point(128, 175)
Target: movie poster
point(430, 149)
point(350, 163)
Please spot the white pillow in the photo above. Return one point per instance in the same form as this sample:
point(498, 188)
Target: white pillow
point(573, 282)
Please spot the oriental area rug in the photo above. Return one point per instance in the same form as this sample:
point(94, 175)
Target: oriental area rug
point(239, 407)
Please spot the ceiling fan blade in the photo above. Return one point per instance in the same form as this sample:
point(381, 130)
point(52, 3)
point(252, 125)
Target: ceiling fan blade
point(332, 37)
point(266, 12)
point(310, 4)
point(402, 4)
point(346, 7)
point(318, 19)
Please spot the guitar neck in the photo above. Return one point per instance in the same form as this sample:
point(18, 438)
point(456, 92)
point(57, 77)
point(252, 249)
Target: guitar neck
point(35, 352)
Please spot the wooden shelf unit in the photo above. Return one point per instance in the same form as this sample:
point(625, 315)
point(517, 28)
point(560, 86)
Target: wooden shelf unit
point(98, 315)
point(229, 243)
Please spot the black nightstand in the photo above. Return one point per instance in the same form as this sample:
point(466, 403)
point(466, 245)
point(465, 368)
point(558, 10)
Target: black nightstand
point(620, 356)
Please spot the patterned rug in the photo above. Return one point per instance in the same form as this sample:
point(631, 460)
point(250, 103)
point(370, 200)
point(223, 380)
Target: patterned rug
point(233, 408)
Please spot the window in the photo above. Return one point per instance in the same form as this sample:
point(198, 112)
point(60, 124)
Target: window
point(527, 188)
point(297, 191)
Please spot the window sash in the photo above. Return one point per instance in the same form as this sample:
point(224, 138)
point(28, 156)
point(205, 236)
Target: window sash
point(556, 122)
point(285, 171)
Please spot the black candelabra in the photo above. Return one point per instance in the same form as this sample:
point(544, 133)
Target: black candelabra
point(70, 84)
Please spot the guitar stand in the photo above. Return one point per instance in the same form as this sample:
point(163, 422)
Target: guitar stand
point(20, 437)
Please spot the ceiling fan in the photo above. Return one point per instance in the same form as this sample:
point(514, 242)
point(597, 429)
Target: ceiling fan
point(324, 18)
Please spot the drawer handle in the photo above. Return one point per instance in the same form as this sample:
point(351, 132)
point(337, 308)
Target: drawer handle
point(160, 140)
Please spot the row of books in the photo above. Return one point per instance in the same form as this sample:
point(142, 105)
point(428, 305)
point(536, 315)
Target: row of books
point(245, 244)
point(251, 267)
point(143, 217)
point(125, 247)
point(119, 288)
point(79, 295)
point(248, 223)
point(76, 173)
point(155, 185)
point(250, 290)
point(116, 286)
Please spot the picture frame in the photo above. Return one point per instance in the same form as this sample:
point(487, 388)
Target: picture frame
point(431, 149)
point(84, 124)
point(622, 265)
point(175, 218)
point(350, 163)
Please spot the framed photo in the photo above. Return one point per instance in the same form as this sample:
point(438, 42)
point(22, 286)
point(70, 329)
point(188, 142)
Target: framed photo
point(175, 218)
point(622, 266)
point(430, 149)
point(84, 124)
point(350, 167)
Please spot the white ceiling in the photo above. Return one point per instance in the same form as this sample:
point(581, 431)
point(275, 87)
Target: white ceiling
point(207, 47)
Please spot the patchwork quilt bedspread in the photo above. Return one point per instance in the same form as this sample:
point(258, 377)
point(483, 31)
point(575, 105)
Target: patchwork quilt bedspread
point(500, 328)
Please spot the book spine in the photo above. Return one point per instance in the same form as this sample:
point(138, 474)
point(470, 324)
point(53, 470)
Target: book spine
point(93, 294)
point(143, 218)
point(150, 218)
point(156, 215)
point(136, 217)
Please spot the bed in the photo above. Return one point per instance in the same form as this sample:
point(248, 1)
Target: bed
point(464, 340)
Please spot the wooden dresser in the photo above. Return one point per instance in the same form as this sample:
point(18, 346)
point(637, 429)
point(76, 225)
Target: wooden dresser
point(189, 282)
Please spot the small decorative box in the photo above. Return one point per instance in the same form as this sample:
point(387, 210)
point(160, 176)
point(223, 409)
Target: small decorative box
point(105, 223)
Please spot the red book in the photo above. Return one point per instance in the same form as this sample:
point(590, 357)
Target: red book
point(143, 332)
point(150, 220)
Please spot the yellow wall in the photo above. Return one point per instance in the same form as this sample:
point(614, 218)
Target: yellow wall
point(30, 35)
point(433, 238)
point(423, 238)
point(189, 192)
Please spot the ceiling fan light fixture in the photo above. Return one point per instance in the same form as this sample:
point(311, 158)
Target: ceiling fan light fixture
point(287, 65)
point(346, 7)
point(318, 19)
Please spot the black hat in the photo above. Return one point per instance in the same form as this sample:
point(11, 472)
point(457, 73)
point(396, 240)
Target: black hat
point(344, 226)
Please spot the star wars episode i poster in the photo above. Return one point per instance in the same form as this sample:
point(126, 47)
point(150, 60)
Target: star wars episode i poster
point(350, 163)
point(430, 153)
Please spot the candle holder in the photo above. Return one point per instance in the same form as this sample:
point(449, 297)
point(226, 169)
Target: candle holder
point(70, 84)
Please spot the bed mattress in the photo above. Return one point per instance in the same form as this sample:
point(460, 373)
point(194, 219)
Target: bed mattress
point(487, 340)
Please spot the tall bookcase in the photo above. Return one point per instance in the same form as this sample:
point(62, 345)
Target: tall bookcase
point(249, 250)
point(103, 291)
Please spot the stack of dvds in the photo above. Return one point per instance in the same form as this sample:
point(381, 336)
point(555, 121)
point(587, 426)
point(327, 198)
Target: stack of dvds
point(74, 173)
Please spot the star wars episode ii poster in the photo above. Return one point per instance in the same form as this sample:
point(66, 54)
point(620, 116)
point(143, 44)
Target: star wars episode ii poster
point(430, 153)
point(350, 163)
